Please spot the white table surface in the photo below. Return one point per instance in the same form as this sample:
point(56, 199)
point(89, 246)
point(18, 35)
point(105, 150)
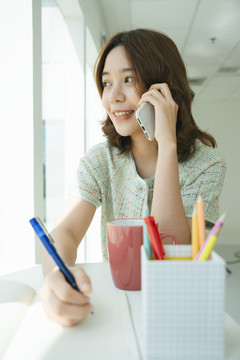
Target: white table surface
point(231, 254)
point(101, 280)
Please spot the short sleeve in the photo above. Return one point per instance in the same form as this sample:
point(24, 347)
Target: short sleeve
point(85, 184)
point(208, 181)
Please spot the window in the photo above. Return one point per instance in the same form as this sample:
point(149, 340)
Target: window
point(69, 117)
point(43, 133)
point(20, 121)
point(94, 114)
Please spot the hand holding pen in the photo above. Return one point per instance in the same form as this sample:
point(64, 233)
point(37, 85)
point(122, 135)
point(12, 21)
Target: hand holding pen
point(64, 292)
point(61, 303)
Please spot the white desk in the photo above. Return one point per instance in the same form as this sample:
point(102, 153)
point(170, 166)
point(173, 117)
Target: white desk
point(102, 281)
point(228, 252)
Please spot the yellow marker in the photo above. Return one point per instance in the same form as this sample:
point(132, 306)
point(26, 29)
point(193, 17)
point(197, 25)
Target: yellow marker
point(201, 220)
point(178, 258)
point(214, 232)
point(208, 248)
point(195, 233)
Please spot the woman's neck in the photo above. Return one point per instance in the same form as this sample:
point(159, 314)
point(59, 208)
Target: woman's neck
point(145, 155)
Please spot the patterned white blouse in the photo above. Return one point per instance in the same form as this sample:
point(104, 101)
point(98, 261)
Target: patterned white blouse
point(109, 179)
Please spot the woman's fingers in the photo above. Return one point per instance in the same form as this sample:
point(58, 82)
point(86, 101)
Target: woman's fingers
point(65, 314)
point(157, 92)
point(163, 88)
point(166, 109)
point(82, 279)
point(62, 303)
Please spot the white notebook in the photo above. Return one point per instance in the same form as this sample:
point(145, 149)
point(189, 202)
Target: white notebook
point(108, 333)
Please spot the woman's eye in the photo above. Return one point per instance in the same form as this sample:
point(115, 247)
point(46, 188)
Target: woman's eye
point(129, 79)
point(106, 84)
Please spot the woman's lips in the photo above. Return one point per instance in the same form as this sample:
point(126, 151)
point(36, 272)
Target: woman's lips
point(123, 114)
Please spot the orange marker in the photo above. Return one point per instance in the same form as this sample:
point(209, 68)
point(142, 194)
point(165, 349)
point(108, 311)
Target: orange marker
point(201, 220)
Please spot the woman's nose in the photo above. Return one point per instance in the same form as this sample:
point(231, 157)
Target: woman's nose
point(116, 94)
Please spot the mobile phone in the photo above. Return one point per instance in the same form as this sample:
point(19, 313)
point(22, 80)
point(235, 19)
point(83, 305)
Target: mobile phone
point(145, 116)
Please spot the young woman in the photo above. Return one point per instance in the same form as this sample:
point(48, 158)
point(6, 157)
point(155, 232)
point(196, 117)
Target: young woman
point(128, 170)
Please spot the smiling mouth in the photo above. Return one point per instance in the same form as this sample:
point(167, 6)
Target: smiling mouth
point(123, 113)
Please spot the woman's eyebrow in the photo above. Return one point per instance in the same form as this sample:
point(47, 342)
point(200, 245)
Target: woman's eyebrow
point(121, 71)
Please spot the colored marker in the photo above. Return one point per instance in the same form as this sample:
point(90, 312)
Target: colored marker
point(154, 237)
point(195, 233)
point(209, 246)
point(201, 220)
point(214, 232)
point(146, 241)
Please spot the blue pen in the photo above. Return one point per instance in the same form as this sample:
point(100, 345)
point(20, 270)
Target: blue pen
point(47, 241)
point(146, 241)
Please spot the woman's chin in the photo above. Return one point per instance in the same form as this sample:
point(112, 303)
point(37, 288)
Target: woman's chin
point(127, 132)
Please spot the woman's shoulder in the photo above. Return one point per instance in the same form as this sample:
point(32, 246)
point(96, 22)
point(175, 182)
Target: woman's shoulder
point(203, 159)
point(104, 153)
point(204, 155)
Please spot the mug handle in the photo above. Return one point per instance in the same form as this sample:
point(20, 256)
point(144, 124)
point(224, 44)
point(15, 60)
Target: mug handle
point(171, 235)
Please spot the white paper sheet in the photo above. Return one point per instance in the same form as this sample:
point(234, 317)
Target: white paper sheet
point(15, 299)
point(108, 331)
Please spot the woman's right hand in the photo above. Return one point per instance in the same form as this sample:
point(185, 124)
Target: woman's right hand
point(166, 110)
point(63, 304)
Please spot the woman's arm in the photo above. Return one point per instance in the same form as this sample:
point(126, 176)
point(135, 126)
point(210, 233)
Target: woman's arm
point(69, 231)
point(167, 206)
point(62, 303)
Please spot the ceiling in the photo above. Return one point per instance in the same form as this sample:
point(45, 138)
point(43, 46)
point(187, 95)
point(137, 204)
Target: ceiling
point(207, 33)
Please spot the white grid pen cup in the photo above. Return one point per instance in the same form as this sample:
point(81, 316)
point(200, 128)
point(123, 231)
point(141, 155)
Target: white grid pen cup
point(183, 306)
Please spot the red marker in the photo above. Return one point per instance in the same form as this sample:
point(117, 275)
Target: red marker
point(154, 237)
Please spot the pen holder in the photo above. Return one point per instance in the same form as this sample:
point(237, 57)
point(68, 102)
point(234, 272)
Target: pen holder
point(183, 306)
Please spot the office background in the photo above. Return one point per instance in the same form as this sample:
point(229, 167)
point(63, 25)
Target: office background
point(50, 109)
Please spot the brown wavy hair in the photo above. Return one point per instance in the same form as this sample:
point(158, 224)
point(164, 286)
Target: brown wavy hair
point(155, 59)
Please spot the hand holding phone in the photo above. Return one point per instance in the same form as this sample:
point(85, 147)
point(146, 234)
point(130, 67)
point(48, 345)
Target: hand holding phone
point(145, 116)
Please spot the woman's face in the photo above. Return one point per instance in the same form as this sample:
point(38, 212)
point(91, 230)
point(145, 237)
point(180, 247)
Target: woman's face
point(120, 98)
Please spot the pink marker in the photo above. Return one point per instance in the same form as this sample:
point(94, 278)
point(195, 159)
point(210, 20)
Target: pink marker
point(219, 223)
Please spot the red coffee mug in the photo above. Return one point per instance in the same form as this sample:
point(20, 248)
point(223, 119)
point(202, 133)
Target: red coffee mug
point(125, 237)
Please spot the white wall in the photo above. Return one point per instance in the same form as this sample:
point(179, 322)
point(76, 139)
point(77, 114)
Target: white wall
point(94, 19)
point(221, 119)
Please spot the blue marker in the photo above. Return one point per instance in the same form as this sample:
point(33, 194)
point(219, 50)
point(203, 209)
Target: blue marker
point(146, 241)
point(47, 241)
